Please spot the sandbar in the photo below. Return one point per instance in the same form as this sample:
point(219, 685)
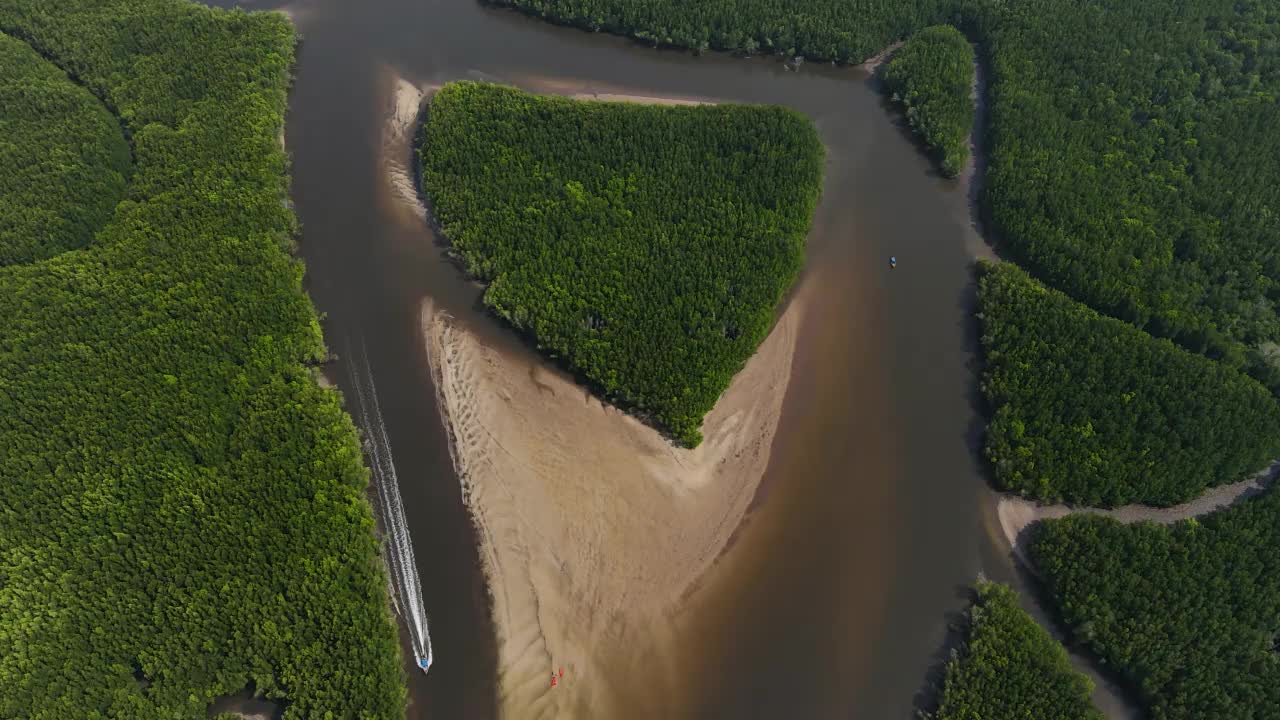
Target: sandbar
point(404, 103)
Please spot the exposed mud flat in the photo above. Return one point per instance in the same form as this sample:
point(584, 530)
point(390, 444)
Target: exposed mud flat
point(592, 524)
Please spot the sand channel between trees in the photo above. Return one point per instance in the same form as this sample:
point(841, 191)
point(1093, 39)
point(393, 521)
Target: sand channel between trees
point(1015, 515)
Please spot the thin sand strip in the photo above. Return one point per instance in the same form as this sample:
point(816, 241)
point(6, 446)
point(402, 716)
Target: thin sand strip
point(592, 524)
point(1017, 514)
point(580, 90)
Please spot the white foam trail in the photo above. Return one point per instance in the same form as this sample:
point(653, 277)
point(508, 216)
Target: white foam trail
point(398, 549)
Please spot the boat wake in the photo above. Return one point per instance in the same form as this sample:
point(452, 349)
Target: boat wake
point(406, 590)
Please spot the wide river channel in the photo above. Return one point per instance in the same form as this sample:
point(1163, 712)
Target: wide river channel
point(833, 601)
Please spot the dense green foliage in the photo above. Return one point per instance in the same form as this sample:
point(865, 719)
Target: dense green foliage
point(931, 75)
point(182, 507)
point(1136, 164)
point(1134, 159)
point(647, 246)
point(1010, 668)
point(841, 30)
point(62, 155)
point(1091, 410)
point(1188, 613)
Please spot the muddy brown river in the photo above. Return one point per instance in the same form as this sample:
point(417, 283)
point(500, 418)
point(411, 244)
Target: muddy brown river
point(833, 601)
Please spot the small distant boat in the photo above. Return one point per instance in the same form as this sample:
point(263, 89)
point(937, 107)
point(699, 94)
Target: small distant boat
point(893, 262)
point(424, 664)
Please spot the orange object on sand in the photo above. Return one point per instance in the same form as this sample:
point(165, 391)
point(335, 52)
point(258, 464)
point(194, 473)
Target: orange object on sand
point(553, 681)
point(561, 672)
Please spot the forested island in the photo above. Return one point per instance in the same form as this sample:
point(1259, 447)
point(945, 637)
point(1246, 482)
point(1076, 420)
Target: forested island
point(1010, 668)
point(645, 246)
point(931, 76)
point(1090, 410)
point(183, 506)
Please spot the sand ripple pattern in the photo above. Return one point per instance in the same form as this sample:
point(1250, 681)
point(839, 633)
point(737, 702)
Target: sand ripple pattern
point(591, 525)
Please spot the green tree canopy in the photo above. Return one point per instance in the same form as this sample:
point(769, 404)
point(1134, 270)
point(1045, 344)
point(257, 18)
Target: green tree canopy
point(1093, 411)
point(1134, 162)
point(931, 76)
point(647, 247)
point(182, 507)
point(1187, 613)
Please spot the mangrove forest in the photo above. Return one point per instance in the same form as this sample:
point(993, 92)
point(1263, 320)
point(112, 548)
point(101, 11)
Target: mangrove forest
point(183, 507)
point(1009, 668)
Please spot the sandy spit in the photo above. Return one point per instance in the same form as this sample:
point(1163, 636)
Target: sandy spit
point(592, 524)
point(1016, 514)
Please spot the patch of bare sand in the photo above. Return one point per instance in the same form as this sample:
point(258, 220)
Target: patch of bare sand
point(873, 63)
point(295, 12)
point(591, 524)
point(644, 99)
point(1016, 514)
point(582, 90)
point(404, 104)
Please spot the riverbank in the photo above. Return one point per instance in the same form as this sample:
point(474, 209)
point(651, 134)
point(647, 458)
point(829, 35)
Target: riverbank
point(578, 90)
point(981, 245)
point(1006, 517)
point(405, 102)
point(592, 525)
point(873, 63)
